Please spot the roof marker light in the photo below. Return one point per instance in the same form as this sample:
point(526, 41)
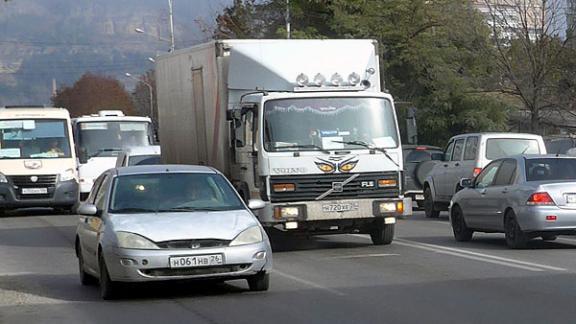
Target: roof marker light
point(302, 80)
point(353, 79)
point(336, 79)
point(319, 79)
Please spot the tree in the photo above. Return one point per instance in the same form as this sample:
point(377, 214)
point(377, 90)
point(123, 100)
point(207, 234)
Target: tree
point(143, 98)
point(92, 93)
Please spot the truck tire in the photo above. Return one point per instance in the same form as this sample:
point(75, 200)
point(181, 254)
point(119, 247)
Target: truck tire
point(429, 205)
point(422, 170)
point(382, 234)
point(259, 282)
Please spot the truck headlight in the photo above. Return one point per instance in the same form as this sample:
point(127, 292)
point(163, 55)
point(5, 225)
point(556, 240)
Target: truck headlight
point(248, 236)
point(288, 211)
point(67, 175)
point(3, 178)
point(128, 240)
point(391, 207)
point(387, 183)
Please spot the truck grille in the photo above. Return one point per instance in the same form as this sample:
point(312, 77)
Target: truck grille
point(192, 244)
point(36, 181)
point(308, 187)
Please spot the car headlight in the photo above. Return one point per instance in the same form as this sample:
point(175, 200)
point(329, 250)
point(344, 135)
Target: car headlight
point(134, 241)
point(3, 178)
point(67, 175)
point(248, 236)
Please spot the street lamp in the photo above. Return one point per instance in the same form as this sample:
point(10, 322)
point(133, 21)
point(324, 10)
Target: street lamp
point(171, 40)
point(150, 91)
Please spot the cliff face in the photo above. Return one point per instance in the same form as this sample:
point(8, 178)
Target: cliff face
point(42, 40)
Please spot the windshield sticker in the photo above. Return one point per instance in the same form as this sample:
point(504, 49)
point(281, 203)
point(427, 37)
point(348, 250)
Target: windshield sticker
point(28, 124)
point(386, 141)
point(93, 126)
point(328, 133)
point(332, 143)
point(11, 124)
point(10, 153)
point(129, 127)
point(45, 155)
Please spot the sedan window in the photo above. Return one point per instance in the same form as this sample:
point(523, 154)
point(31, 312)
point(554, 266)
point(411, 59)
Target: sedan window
point(486, 177)
point(550, 169)
point(506, 173)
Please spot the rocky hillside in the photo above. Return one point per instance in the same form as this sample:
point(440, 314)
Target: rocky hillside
point(46, 40)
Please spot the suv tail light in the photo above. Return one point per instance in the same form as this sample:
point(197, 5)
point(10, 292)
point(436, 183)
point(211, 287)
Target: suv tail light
point(477, 171)
point(540, 198)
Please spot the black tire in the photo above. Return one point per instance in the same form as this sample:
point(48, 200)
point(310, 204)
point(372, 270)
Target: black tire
point(461, 232)
point(429, 205)
point(108, 288)
point(422, 170)
point(259, 282)
point(382, 234)
point(549, 237)
point(515, 238)
point(85, 278)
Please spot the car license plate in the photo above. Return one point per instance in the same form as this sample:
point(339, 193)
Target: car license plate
point(34, 191)
point(196, 261)
point(571, 198)
point(331, 208)
point(419, 197)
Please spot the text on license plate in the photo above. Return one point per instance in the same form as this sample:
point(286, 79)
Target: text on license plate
point(34, 191)
point(196, 261)
point(571, 198)
point(330, 208)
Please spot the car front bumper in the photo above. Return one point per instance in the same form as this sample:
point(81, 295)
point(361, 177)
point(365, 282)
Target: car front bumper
point(129, 265)
point(63, 194)
point(534, 219)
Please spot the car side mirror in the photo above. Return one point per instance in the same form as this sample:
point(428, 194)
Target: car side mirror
point(466, 183)
point(255, 204)
point(88, 210)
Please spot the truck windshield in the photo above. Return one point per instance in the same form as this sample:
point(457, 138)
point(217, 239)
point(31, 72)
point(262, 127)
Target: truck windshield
point(308, 124)
point(109, 138)
point(34, 138)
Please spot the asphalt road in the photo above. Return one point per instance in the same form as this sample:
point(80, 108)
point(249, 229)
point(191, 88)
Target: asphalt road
point(424, 276)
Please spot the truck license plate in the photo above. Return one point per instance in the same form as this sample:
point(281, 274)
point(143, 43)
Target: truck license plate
point(331, 208)
point(196, 261)
point(34, 191)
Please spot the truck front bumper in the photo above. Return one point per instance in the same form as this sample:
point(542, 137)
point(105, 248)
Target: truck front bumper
point(336, 212)
point(63, 194)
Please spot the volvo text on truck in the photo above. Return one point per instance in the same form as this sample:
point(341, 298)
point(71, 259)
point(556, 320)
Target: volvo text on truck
point(300, 124)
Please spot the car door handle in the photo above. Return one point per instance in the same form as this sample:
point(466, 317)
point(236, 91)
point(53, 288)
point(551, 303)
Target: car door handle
point(445, 165)
point(457, 164)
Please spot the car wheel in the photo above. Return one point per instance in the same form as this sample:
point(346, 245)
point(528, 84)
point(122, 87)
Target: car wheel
point(549, 237)
point(429, 209)
point(85, 278)
point(461, 232)
point(382, 234)
point(515, 238)
point(259, 282)
point(108, 288)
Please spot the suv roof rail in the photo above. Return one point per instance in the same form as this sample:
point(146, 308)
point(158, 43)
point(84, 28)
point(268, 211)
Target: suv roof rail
point(24, 106)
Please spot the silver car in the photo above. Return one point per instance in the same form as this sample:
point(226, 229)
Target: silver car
point(168, 222)
point(524, 197)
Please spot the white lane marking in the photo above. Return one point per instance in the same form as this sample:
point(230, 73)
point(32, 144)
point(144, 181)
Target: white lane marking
point(474, 255)
point(567, 239)
point(363, 256)
point(308, 283)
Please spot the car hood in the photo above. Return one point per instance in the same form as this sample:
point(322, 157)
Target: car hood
point(223, 225)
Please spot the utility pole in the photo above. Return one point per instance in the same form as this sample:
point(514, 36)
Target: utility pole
point(172, 46)
point(288, 19)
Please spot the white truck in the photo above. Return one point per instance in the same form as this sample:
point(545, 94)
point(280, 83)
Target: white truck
point(37, 159)
point(101, 137)
point(300, 124)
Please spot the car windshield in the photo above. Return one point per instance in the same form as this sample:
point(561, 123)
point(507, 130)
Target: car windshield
point(307, 124)
point(497, 148)
point(110, 138)
point(34, 138)
point(173, 192)
point(144, 160)
point(550, 169)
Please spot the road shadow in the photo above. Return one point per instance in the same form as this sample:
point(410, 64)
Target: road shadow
point(286, 242)
point(31, 212)
point(47, 236)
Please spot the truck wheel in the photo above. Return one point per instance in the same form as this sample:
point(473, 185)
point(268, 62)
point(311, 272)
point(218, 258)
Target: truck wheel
point(259, 282)
point(382, 234)
point(429, 209)
point(461, 232)
point(515, 238)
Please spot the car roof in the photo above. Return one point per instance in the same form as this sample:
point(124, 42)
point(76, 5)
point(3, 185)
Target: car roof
point(164, 168)
point(547, 156)
point(143, 150)
point(499, 135)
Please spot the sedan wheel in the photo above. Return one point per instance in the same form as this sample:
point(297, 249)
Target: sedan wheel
point(85, 278)
point(515, 238)
point(108, 288)
point(429, 209)
point(259, 282)
point(461, 232)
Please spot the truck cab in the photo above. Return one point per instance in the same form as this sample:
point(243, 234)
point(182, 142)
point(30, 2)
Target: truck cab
point(101, 137)
point(37, 159)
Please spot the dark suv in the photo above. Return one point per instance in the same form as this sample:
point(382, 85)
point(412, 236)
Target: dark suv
point(415, 170)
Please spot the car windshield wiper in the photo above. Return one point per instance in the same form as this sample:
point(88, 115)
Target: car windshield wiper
point(368, 146)
point(133, 210)
point(304, 147)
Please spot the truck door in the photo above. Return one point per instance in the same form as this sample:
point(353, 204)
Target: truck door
point(244, 144)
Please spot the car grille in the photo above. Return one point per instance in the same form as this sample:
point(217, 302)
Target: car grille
point(308, 187)
point(42, 181)
point(167, 272)
point(192, 244)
